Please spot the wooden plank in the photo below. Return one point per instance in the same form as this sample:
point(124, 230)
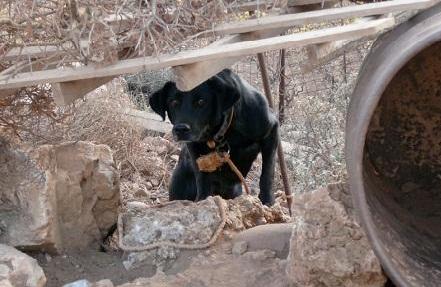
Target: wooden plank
point(290, 20)
point(67, 92)
point(263, 5)
point(13, 68)
point(118, 23)
point(149, 121)
point(250, 6)
point(187, 77)
point(318, 52)
point(26, 66)
point(31, 52)
point(135, 65)
point(7, 92)
point(292, 3)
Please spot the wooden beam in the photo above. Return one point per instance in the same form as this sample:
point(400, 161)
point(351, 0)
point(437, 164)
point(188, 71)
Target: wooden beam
point(67, 92)
point(290, 20)
point(351, 31)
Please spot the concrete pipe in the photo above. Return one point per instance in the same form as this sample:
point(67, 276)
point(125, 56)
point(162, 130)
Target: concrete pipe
point(393, 149)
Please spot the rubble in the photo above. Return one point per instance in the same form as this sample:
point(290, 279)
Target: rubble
point(328, 246)
point(18, 269)
point(247, 211)
point(57, 197)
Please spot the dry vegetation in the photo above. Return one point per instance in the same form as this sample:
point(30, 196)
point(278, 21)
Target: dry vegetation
point(101, 32)
point(86, 30)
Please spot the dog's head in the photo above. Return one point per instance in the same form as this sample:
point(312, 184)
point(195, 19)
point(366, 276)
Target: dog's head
point(197, 114)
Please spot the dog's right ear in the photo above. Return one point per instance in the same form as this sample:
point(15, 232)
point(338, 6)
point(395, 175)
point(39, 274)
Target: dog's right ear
point(158, 101)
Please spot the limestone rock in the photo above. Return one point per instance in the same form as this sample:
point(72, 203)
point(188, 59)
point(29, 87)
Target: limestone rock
point(239, 248)
point(328, 246)
point(179, 222)
point(57, 196)
point(194, 223)
point(18, 269)
point(275, 237)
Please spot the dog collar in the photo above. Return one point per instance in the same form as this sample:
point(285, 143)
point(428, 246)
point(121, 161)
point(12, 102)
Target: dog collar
point(218, 137)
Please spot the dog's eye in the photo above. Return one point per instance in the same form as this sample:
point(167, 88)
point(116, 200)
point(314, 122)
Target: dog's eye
point(200, 103)
point(174, 103)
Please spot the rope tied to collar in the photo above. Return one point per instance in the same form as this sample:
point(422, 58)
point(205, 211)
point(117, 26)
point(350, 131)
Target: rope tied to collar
point(215, 159)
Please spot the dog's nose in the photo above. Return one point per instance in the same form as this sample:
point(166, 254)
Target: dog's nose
point(181, 128)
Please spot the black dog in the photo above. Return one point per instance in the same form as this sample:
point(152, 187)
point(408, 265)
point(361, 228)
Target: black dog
point(229, 111)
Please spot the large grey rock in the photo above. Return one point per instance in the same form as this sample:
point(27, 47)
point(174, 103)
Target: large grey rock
point(18, 269)
point(57, 197)
point(158, 234)
point(179, 222)
point(328, 246)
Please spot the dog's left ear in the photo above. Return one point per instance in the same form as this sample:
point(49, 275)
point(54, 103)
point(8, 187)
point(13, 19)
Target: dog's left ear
point(158, 101)
point(227, 90)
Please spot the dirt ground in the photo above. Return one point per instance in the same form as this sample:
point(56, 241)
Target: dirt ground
point(92, 265)
point(207, 266)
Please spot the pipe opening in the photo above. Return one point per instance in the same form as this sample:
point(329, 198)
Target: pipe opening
point(402, 167)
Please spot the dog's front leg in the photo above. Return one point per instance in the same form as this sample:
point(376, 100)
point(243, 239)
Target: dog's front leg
point(269, 150)
point(203, 186)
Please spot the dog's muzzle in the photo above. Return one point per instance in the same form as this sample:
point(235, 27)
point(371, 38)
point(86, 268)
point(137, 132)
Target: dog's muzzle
point(181, 132)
